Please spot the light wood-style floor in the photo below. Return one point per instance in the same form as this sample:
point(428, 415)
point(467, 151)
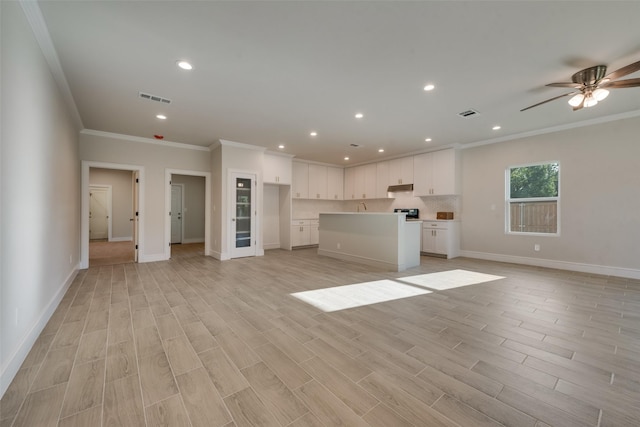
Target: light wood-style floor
point(110, 253)
point(197, 342)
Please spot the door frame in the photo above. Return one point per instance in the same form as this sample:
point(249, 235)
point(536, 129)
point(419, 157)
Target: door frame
point(167, 208)
point(84, 205)
point(109, 207)
point(182, 208)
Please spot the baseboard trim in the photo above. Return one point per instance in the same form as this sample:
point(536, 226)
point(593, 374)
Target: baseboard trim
point(193, 240)
point(268, 246)
point(151, 258)
point(220, 256)
point(17, 358)
point(627, 273)
point(121, 239)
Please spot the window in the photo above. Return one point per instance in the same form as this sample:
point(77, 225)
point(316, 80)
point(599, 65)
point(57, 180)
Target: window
point(533, 198)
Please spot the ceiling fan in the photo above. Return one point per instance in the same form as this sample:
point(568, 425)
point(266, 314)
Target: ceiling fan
point(592, 84)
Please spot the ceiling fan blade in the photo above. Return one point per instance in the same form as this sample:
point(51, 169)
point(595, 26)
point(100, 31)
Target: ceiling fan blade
point(631, 68)
point(621, 84)
point(549, 100)
point(568, 84)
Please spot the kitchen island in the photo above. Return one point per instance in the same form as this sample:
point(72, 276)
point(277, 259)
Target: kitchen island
point(384, 240)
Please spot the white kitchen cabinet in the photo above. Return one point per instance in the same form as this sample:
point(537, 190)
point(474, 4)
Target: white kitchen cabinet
point(365, 181)
point(335, 183)
point(436, 173)
point(349, 183)
point(314, 234)
point(317, 182)
point(382, 179)
point(299, 233)
point(401, 171)
point(304, 232)
point(441, 238)
point(300, 184)
point(277, 169)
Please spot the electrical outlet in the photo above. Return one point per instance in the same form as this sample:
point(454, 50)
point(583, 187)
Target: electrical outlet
point(338, 245)
point(16, 316)
point(70, 259)
point(536, 247)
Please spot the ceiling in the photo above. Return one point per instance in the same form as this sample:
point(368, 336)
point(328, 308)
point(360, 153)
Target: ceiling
point(268, 73)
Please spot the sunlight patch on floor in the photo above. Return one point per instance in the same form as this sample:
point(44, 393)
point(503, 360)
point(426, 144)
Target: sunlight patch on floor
point(449, 279)
point(350, 296)
point(357, 295)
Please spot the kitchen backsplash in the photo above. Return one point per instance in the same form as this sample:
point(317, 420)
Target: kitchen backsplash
point(428, 205)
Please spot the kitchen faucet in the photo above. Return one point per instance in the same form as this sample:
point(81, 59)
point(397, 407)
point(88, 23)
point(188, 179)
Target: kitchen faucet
point(363, 204)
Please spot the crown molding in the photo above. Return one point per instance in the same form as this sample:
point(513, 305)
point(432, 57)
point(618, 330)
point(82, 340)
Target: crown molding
point(34, 16)
point(278, 153)
point(591, 122)
point(138, 139)
point(244, 146)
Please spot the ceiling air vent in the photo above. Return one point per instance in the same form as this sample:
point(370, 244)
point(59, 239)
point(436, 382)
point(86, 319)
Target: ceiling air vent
point(354, 145)
point(155, 98)
point(468, 113)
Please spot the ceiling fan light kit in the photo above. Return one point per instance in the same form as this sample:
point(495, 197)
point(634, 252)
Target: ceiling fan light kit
point(591, 83)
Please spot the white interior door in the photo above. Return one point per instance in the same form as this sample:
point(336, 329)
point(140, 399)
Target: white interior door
point(243, 215)
point(176, 213)
point(98, 213)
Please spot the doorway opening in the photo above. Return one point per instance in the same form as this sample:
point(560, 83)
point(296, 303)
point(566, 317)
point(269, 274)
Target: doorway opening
point(117, 238)
point(187, 203)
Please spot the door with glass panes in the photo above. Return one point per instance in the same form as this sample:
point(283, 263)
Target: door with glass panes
point(243, 215)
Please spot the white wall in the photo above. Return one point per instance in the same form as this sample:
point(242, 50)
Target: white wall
point(599, 203)
point(155, 158)
point(40, 178)
point(193, 209)
point(122, 199)
point(271, 216)
point(231, 156)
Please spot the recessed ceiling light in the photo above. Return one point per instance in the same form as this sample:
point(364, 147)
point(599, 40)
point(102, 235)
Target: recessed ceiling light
point(281, 146)
point(427, 140)
point(359, 115)
point(184, 65)
point(314, 133)
point(496, 127)
point(346, 158)
point(380, 150)
point(161, 117)
point(429, 87)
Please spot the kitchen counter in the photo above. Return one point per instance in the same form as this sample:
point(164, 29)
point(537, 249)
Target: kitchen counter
point(380, 239)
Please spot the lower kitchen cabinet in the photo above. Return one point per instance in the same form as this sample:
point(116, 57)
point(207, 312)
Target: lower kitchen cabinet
point(441, 238)
point(304, 232)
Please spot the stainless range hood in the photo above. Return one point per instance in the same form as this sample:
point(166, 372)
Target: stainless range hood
point(399, 188)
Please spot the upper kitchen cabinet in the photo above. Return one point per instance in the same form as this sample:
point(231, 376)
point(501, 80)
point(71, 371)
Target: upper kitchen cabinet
point(436, 173)
point(335, 183)
point(317, 182)
point(300, 184)
point(365, 181)
point(382, 179)
point(349, 183)
point(401, 171)
point(277, 168)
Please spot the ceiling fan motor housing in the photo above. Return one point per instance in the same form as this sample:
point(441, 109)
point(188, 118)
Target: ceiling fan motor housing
point(590, 76)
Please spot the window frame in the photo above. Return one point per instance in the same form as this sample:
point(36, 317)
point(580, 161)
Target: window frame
point(509, 200)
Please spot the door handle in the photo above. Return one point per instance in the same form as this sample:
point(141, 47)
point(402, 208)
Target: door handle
point(130, 219)
point(233, 219)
